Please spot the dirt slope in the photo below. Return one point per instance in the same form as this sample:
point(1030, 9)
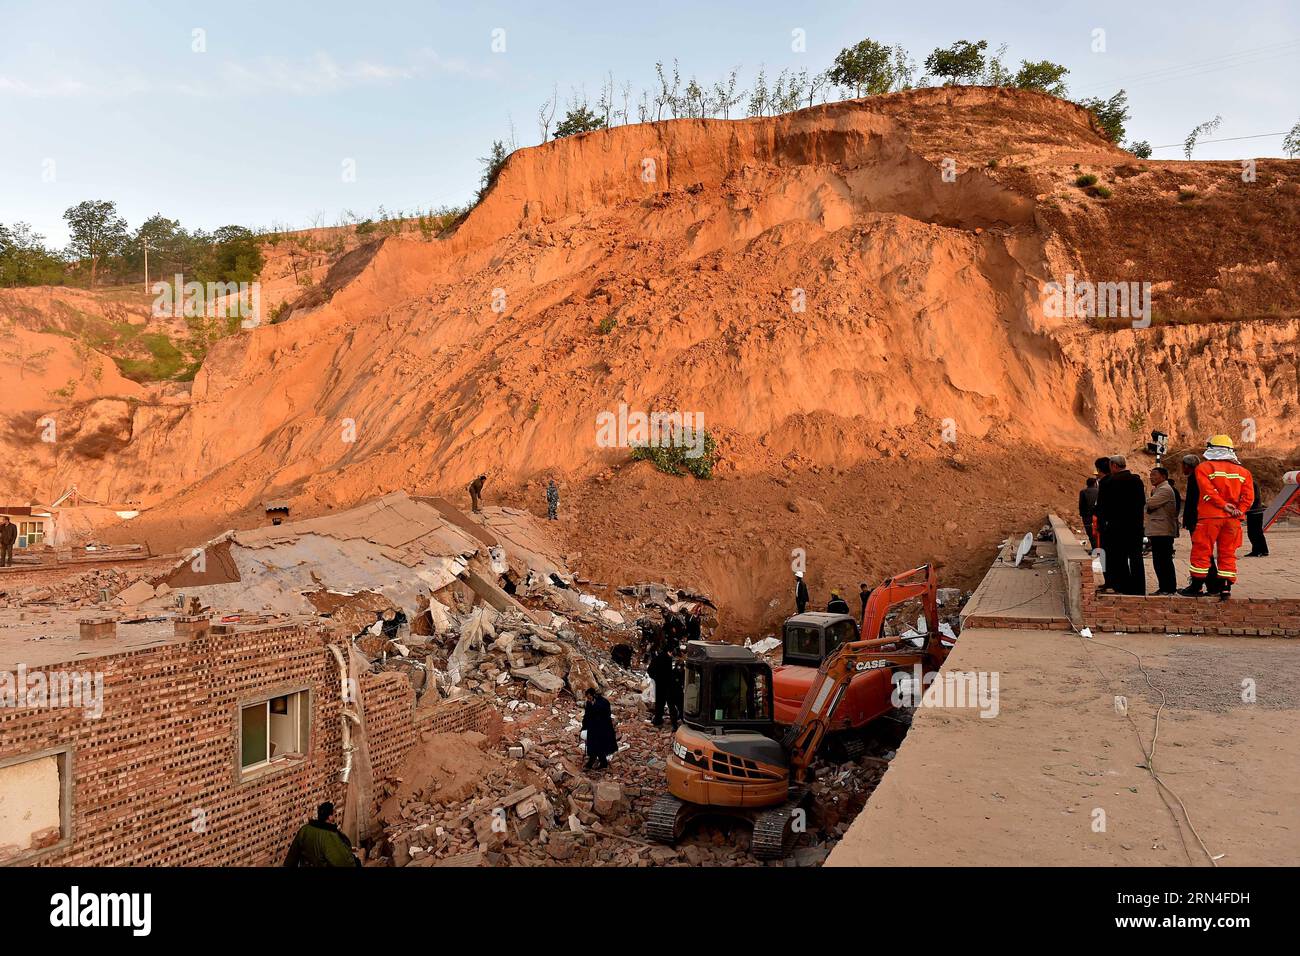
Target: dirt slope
point(924, 318)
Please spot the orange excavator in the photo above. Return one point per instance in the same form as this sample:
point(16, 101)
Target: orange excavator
point(725, 758)
point(809, 638)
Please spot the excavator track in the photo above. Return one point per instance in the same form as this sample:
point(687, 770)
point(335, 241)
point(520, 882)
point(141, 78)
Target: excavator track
point(774, 832)
point(667, 818)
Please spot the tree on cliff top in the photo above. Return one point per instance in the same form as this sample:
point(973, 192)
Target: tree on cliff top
point(579, 119)
point(961, 61)
point(1043, 76)
point(97, 231)
point(866, 66)
point(1111, 114)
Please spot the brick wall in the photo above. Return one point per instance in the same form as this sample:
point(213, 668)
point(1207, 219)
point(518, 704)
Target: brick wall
point(155, 778)
point(1181, 615)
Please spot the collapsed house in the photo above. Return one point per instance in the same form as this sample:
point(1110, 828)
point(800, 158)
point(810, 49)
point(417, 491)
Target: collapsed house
point(279, 667)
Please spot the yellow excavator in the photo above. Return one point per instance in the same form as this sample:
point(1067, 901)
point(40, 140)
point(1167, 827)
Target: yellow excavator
point(724, 759)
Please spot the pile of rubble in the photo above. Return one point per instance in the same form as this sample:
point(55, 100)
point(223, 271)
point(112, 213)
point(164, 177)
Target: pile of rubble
point(97, 586)
point(537, 806)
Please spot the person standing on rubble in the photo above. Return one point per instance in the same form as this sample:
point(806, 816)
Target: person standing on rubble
point(321, 843)
point(800, 592)
point(837, 604)
point(552, 501)
point(8, 535)
point(475, 490)
point(1226, 490)
point(864, 595)
point(598, 722)
point(661, 672)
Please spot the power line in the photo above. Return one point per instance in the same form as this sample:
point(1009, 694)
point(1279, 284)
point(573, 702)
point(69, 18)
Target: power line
point(1197, 67)
point(1227, 139)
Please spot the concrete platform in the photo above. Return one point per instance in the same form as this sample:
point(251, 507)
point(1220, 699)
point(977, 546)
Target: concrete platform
point(1030, 785)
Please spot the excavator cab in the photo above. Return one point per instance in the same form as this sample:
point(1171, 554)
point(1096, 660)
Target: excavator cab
point(809, 638)
point(726, 688)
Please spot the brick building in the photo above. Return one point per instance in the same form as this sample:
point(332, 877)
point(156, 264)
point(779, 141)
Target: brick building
point(211, 745)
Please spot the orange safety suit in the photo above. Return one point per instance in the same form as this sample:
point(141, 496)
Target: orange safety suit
point(1219, 483)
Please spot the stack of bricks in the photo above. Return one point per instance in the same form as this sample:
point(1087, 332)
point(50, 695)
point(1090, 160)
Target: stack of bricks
point(156, 777)
point(1250, 617)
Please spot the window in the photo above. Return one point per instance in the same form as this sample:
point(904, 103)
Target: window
point(840, 632)
point(740, 693)
point(803, 640)
point(30, 533)
point(35, 804)
point(691, 691)
point(274, 729)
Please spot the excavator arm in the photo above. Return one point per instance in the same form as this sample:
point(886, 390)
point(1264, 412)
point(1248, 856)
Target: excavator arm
point(848, 660)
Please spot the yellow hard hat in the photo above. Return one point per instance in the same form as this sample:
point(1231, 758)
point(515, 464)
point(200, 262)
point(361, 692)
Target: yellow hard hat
point(1219, 441)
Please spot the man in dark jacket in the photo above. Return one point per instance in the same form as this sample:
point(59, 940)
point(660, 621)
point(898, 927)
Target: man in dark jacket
point(8, 535)
point(598, 722)
point(837, 604)
point(1122, 502)
point(321, 843)
point(1255, 528)
point(1088, 507)
point(1108, 576)
point(864, 595)
point(661, 672)
point(800, 592)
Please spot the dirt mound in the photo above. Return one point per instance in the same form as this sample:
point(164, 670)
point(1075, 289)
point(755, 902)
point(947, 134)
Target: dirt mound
point(813, 284)
point(439, 769)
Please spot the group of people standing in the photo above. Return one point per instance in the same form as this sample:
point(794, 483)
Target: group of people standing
point(1118, 513)
point(836, 605)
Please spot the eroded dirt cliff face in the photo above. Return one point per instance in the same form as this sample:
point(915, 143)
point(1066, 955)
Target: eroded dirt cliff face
point(812, 284)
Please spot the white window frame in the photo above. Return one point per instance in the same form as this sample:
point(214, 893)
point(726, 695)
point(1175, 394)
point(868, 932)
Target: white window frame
point(302, 720)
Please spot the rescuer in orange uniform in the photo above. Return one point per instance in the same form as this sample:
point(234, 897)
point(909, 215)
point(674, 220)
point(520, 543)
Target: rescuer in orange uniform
point(1226, 490)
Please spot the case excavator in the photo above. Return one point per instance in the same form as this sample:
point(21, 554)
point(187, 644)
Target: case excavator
point(811, 637)
point(726, 758)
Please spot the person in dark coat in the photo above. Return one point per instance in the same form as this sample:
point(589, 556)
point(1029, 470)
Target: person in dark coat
point(1213, 583)
point(1122, 502)
point(8, 535)
point(837, 604)
point(1255, 528)
point(1087, 508)
point(598, 722)
point(693, 625)
point(800, 593)
point(321, 843)
point(661, 672)
point(1099, 525)
point(864, 595)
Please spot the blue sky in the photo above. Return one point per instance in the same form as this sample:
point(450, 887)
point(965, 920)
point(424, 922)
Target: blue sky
point(112, 99)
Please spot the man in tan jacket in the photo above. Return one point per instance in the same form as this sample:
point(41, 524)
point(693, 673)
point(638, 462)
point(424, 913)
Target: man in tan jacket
point(1162, 528)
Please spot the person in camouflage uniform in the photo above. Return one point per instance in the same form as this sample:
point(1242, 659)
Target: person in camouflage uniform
point(552, 500)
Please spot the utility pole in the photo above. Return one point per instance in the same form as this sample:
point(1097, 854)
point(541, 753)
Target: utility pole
point(145, 243)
